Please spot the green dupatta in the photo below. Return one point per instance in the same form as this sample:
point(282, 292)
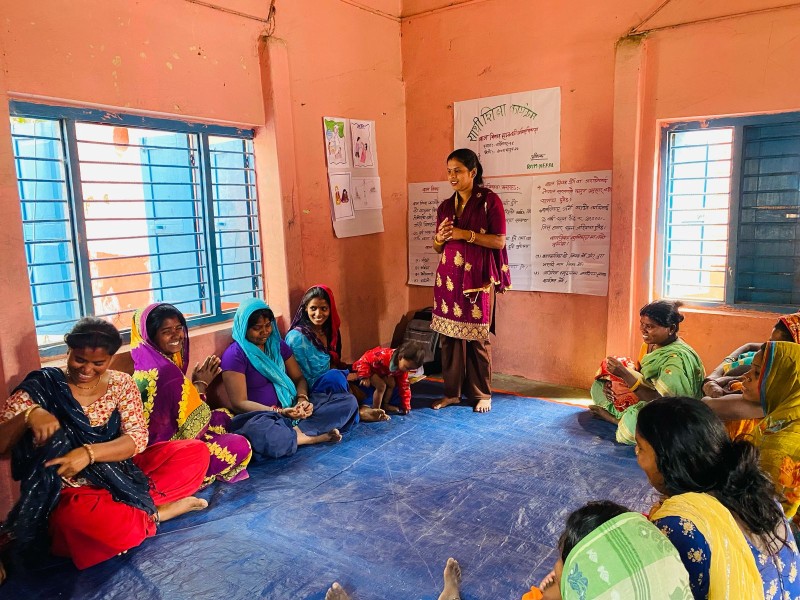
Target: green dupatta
point(626, 558)
point(674, 370)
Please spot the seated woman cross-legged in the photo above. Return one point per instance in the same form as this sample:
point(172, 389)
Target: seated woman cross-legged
point(316, 344)
point(80, 448)
point(719, 509)
point(266, 387)
point(667, 366)
point(722, 388)
point(174, 405)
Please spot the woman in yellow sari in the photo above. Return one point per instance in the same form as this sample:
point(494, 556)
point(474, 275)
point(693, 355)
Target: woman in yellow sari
point(719, 509)
point(774, 382)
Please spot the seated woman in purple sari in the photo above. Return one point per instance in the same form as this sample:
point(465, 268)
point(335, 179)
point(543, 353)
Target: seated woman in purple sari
point(266, 387)
point(173, 406)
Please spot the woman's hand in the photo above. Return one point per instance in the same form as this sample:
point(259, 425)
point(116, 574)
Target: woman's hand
point(72, 463)
point(444, 233)
point(43, 425)
point(712, 390)
point(619, 370)
point(302, 410)
point(206, 372)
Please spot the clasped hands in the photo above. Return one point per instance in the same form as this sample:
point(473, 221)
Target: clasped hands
point(446, 232)
point(302, 410)
point(616, 368)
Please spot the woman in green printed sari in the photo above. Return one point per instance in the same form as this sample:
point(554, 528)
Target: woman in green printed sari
point(607, 552)
point(667, 366)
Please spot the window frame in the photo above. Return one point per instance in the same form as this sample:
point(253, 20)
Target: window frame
point(67, 118)
point(738, 125)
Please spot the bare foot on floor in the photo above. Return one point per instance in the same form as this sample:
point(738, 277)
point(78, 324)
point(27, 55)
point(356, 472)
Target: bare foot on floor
point(484, 405)
point(391, 408)
point(602, 413)
point(452, 581)
point(334, 436)
point(335, 592)
point(372, 415)
point(180, 507)
point(442, 402)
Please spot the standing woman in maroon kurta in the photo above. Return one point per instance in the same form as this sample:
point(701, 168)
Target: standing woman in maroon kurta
point(471, 237)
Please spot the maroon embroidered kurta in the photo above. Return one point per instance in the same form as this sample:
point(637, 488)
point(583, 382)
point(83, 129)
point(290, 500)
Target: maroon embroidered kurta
point(467, 272)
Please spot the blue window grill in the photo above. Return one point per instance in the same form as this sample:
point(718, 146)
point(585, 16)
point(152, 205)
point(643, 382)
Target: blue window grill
point(122, 211)
point(731, 218)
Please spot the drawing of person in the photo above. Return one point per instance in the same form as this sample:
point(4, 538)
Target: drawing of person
point(358, 146)
point(336, 195)
point(364, 153)
point(345, 197)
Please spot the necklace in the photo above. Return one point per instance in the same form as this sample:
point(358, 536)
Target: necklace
point(86, 389)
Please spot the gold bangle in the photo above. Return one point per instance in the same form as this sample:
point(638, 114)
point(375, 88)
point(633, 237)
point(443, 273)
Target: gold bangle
point(471, 237)
point(436, 241)
point(635, 385)
point(196, 381)
point(90, 452)
point(28, 412)
point(302, 396)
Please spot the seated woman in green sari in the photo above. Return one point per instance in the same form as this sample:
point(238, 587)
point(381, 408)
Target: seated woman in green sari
point(667, 366)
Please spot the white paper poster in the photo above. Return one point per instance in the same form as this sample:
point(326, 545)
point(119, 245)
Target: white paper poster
point(355, 187)
point(367, 193)
point(557, 230)
point(364, 156)
point(341, 204)
point(513, 134)
point(423, 200)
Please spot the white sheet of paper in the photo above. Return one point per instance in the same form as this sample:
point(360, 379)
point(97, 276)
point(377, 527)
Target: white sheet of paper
point(335, 132)
point(367, 193)
point(362, 137)
point(341, 196)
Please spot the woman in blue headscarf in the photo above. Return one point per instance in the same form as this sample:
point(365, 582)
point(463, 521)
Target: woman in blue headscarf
point(268, 391)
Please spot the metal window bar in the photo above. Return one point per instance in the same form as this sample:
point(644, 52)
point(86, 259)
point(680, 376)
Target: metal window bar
point(699, 153)
point(87, 217)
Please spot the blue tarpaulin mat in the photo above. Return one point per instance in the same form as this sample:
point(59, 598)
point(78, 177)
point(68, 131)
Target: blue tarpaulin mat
point(380, 513)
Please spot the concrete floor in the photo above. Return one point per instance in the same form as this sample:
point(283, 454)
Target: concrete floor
point(514, 384)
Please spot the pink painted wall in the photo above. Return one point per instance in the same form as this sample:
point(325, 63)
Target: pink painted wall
point(612, 101)
point(184, 60)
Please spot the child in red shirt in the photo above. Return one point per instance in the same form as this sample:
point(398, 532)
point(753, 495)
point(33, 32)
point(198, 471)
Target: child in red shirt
point(384, 369)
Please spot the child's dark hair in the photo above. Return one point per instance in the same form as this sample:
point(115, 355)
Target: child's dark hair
point(261, 313)
point(158, 315)
point(694, 453)
point(786, 335)
point(413, 352)
point(92, 332)
point(664, 312)
point(470, 160)
point(584, 521)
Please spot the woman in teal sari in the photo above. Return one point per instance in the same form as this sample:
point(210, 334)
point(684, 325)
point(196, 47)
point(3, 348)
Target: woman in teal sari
point(667, 366)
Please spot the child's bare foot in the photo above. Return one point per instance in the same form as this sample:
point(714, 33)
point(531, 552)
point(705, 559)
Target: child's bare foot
point(484, 405)
point(180, 507)
point(335, 592)
point(602, 413)
point(391, 408)
point(372, 415)
point(442, 402)
point(452, 581)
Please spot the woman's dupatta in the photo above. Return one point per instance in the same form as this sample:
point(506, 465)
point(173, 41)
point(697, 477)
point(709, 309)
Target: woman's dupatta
point(173, 407)
point(778, 435)
point(40, 486)
point(733, 573)
point(268, 362)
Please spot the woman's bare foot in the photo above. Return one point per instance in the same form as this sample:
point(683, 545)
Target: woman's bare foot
point(180, 507)
point(372, 415)
point(442, 402)
point(335, 592)
point(602, 413)
point(452, 581)
point(391, 408)
point(484, 405)
point(306, 440)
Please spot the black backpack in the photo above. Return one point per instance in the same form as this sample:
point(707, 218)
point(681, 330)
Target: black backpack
point(419, 330)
